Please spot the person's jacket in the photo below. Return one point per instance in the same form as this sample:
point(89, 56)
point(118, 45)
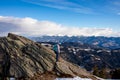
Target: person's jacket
point(56, 48)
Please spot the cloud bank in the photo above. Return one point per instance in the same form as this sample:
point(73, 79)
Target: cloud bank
point(31, 27)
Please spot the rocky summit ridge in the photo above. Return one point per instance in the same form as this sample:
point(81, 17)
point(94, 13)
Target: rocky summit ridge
point(23, 58)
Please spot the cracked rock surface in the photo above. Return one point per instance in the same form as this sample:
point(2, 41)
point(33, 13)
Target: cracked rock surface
point(21, 57)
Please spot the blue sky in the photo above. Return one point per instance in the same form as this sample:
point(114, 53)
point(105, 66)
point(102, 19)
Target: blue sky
point(90, 14)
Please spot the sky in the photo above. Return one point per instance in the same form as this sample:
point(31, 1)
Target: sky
point(60, 17)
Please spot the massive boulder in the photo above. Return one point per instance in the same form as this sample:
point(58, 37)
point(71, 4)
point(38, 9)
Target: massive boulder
point(21, 57)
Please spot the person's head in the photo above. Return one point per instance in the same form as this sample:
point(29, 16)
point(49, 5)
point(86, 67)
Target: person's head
point(58, 43)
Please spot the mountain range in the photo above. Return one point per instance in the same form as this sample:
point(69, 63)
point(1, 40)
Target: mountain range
point(87, 52)
point(100, 41)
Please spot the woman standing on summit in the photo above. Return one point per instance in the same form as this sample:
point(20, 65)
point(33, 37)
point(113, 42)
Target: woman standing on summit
point(56, 49)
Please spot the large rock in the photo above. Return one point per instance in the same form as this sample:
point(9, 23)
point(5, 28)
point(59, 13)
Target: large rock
point(22, 57)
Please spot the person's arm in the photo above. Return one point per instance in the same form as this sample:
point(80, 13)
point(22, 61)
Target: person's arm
point(58, 48)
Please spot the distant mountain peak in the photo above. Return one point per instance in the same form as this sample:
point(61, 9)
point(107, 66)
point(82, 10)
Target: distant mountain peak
point(101, 41)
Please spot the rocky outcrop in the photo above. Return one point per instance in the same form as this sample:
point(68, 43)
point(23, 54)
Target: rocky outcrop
point(22, 57)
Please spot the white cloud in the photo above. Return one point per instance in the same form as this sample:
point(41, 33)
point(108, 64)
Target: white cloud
point(81, 6)
point(63, 4)
point(32, 27)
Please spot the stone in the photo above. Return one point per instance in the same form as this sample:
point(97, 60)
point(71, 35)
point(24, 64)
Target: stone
point(25, 58)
